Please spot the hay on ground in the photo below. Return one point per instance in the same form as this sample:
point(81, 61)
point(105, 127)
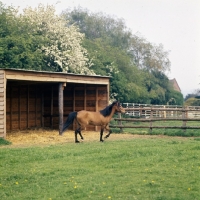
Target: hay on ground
point(48, 137)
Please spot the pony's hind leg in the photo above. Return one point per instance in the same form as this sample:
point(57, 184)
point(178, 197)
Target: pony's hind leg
point(78, 131)
point(76, 138)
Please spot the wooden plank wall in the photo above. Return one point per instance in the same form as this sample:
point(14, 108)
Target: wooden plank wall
point(2, 104)
point(23, 106)
point(36, 105)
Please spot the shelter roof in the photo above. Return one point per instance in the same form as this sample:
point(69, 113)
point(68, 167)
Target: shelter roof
point(44, 76)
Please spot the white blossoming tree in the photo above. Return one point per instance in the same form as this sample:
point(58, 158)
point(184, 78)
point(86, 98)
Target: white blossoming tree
point(61, 43)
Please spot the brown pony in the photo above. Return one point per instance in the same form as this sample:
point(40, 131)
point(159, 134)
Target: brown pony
point(100, 118)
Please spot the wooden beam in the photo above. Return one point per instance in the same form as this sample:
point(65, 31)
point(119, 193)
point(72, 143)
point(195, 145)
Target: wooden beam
point(19, 107)
point(74, 103)
point(60, 105)
point(42, 107)
point(96, 103)
point(36, 105)
point(4, 114)
point(108, 94)
point(51, 118)
point(11, 108)
point(27, 106)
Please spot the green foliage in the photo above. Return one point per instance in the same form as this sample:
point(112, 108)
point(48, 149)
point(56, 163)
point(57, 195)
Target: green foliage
point(39, 39)
point(136, 66)
point(139, 168)
point(99, 25)
point(192, 102)
point(179, 100)
point(4, 142)
point(148, 56)
point(18, 49)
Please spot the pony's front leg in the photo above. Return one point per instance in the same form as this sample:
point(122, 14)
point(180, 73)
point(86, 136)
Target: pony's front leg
point(101, 135)
point(108, 134)
point(109, 131)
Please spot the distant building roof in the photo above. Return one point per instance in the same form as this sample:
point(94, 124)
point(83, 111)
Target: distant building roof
point(175, 85)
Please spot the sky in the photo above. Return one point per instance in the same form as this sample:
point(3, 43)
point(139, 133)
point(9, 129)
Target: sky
point(173, 23)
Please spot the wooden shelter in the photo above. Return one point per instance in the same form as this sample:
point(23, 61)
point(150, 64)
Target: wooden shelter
point(32, 99)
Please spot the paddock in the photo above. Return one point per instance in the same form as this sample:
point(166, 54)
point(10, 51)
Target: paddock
point(34, 100)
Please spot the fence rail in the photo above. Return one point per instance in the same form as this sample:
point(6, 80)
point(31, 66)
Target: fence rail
point(150, 114)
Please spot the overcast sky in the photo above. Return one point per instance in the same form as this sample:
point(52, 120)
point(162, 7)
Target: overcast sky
point(173, 23)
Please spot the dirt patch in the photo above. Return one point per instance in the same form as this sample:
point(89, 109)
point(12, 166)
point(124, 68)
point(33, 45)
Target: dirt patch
point(50, 137)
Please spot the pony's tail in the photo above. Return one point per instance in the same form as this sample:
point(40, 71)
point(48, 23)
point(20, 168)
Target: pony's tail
point(69, 121)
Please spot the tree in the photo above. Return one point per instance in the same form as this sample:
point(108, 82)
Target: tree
point(177, 96)
point(148, 56)
point(63, 49)
point(192, 101)
point(99, 25)
point(136, 66)
point(39, 39)
point(17, 48)
point(107, 41)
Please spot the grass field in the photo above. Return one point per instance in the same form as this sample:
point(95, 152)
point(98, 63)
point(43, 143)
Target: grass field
point(159, 168)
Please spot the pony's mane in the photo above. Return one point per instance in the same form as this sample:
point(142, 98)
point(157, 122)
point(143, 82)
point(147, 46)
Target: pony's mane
point(107, 110)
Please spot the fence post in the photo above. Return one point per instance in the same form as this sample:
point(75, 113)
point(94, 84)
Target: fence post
point(151, 116)
point(120, 122)
point(164, 112)
point(183, 117)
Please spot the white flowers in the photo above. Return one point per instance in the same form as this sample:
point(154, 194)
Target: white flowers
point(62, 46)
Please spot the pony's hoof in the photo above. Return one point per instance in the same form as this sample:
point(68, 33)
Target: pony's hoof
point(106, 136)
point(77, 141)
point(101, 140)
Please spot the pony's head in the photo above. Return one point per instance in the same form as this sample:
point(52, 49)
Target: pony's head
point(118, 107)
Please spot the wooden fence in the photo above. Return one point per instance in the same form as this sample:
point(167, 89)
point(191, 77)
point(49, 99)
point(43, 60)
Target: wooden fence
point(150, 114)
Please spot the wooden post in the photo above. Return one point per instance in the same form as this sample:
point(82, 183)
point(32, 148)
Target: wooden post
point(74, 104)
point(51, 118)
point(164, 112)
point(85, 97)
point(60, 105)
point(36, 106)
point(184, 116)
point(11, 108)
point(120, 122)
point(151, 117)
point(186, 113)
point(27, 106)
point(19, 107)
point(96, 104)
point(42, 107)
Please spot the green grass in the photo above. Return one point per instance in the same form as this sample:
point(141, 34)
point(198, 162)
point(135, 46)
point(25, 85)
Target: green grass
point(4, 142)
point(167, 169)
